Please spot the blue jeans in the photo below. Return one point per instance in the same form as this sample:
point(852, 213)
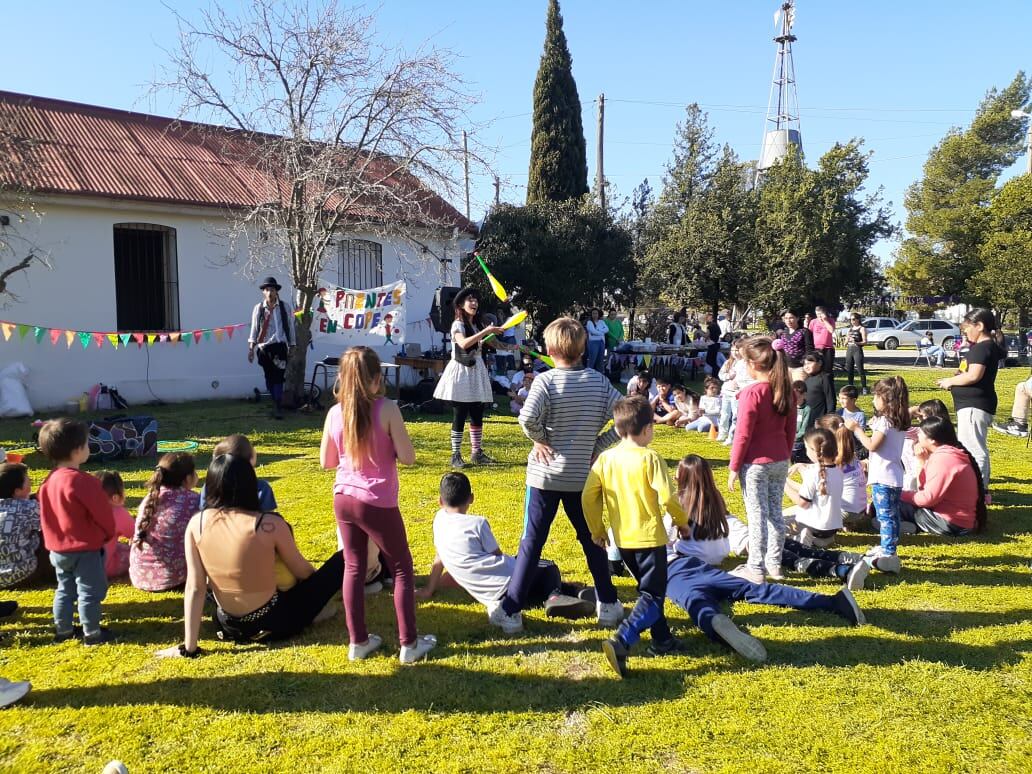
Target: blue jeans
point(700, 588)
point(541, 507)
point(80, 576)
point(596, 352)
point(886, 511)
point(728, 415)
point(649, 568)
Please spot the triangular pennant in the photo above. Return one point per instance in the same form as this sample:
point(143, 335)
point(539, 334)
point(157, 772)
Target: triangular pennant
point(84, 339)
point(229, 330)
point(112, 337)
point(152, 337)
point(98, 339)
point(69, 338)
point(139, 338)
point(186, 339)
point(55, 334)
point(8, 329)
point(197, 337)
point(22, 330)
point(174, 337)
point(218, 334)
point(124, 338)
point(207, 335)
point(38, 333)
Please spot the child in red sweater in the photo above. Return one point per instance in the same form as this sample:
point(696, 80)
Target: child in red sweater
point(760, 454)
point(76, 520)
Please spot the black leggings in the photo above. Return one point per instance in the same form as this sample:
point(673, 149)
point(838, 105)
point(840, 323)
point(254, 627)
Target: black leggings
point(855, 363)
point(474, 411)
point(294, 608)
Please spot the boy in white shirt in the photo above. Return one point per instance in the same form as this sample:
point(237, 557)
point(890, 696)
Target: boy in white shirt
point(467, 550)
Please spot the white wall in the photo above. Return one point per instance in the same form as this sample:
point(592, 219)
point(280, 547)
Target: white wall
point(79, 294)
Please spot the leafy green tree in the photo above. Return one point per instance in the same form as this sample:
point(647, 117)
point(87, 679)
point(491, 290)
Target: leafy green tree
point(1005, 278)
point(558, 161)
point(815, 230)
point(947, 210)
point(557, 257)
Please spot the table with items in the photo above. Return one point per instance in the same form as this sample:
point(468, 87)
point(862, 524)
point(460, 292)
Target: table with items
point(663, 360)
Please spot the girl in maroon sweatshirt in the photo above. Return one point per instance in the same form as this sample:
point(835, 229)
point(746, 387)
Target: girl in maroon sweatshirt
point(761, 451)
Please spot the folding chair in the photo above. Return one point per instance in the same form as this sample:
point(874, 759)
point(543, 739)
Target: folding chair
point(922, 352)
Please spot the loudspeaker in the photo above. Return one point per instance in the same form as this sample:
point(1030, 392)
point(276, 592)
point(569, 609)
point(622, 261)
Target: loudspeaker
point(442, 311)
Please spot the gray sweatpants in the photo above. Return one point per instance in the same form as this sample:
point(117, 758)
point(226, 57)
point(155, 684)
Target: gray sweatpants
point(763, 488)
point(973, 432)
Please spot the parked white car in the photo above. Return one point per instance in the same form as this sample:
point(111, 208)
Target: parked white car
point(909, 334)
point(872, 324)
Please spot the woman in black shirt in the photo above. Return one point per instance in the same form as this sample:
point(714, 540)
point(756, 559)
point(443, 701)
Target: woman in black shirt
point(856, 337)
point(974, 386)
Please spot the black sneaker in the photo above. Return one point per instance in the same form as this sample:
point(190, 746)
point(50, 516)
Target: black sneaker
point(481, 458)
point(8, 608)
point(103, 637)
point(617, 567)
point(616, 655)
point(588, 595)
point(74, 634)
point(846, 606)
point(1012, 427)
point(563, 606)
point(457, 461)
point(671, 647)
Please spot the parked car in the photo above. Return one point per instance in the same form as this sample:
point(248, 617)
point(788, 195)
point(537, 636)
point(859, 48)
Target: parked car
point(871, 323)
point(909, 334)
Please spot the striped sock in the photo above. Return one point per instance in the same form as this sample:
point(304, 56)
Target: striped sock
point(476, 435)
point(456, 442)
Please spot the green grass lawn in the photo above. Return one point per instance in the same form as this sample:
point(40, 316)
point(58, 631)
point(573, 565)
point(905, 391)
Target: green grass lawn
point(940, 679)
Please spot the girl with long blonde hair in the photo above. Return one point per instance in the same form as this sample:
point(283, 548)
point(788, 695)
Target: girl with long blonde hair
point(364, 438)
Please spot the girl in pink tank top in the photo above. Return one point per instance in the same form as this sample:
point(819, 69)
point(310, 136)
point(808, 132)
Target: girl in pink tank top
point(363, 440)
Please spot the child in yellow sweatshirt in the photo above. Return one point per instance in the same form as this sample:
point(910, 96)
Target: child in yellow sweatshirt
point(632, 483)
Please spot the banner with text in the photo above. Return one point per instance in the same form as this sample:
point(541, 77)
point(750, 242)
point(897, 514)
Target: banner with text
point(373, 317)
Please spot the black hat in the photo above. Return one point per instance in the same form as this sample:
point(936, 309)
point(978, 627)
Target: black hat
point(462, 295)
point(270, 282)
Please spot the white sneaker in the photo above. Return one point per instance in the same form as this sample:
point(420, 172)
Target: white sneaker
point(751, 574)
point(610, 614)
point(721, 437)
point(13, 692)
point(509, 624)
point(361, 650)
point(744, 644)
point(857, 576)
point(884, 562)
point(730, 441)
point(410, 654)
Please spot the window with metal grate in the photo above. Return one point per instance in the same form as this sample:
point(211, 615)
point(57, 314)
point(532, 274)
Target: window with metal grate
point(146, 277)
point(361, 264)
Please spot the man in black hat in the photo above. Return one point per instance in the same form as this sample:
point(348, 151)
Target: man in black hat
point(272, 337)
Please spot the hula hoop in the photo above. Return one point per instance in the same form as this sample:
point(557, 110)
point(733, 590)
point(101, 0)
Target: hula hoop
point(177, 446)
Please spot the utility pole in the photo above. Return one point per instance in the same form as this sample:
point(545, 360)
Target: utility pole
point(600, 175)
point(465, 166)
point(498, 191)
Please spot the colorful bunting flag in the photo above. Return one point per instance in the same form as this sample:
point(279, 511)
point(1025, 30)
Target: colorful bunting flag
point(38, 333)
point(22, 330)
point(117, 339)
point(218, 334)
point(139, 338)
point(124, 338)
point(8, 329)
point(112, 337)
point(152, 337)
point(69, 338)
point(84, 338)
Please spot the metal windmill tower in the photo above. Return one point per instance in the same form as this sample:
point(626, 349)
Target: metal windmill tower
point(781, 127)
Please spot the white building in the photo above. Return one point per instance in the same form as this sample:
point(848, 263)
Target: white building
point(132, 209)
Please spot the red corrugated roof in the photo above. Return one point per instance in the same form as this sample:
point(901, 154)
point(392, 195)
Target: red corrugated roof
point(88, 150)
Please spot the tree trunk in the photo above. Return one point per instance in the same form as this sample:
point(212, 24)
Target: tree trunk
point(297, 364)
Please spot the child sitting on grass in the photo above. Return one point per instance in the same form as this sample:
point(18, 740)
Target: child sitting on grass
point(239, 446)
point(564, 416)
point(116, 552)
point(854, 474)
point(847, 406)
point(817, 514)
point(467, 550)
point(157, 558)
point(700, 588)
point(21, 559)
point(709, 405)
point(518, 395)
point(633, 483)
point(802, 421)
point(76, 519)
point(663, 406)
point(687, 402)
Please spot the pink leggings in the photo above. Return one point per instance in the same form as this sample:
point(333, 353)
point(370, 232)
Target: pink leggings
point(359, 522)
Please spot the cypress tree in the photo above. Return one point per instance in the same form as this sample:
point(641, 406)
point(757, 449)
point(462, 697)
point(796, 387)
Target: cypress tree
point(558, 160)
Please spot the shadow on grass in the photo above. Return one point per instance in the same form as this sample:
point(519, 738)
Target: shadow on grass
point(430, 686)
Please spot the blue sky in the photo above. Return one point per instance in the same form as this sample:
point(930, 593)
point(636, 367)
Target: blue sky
point(898, 74)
